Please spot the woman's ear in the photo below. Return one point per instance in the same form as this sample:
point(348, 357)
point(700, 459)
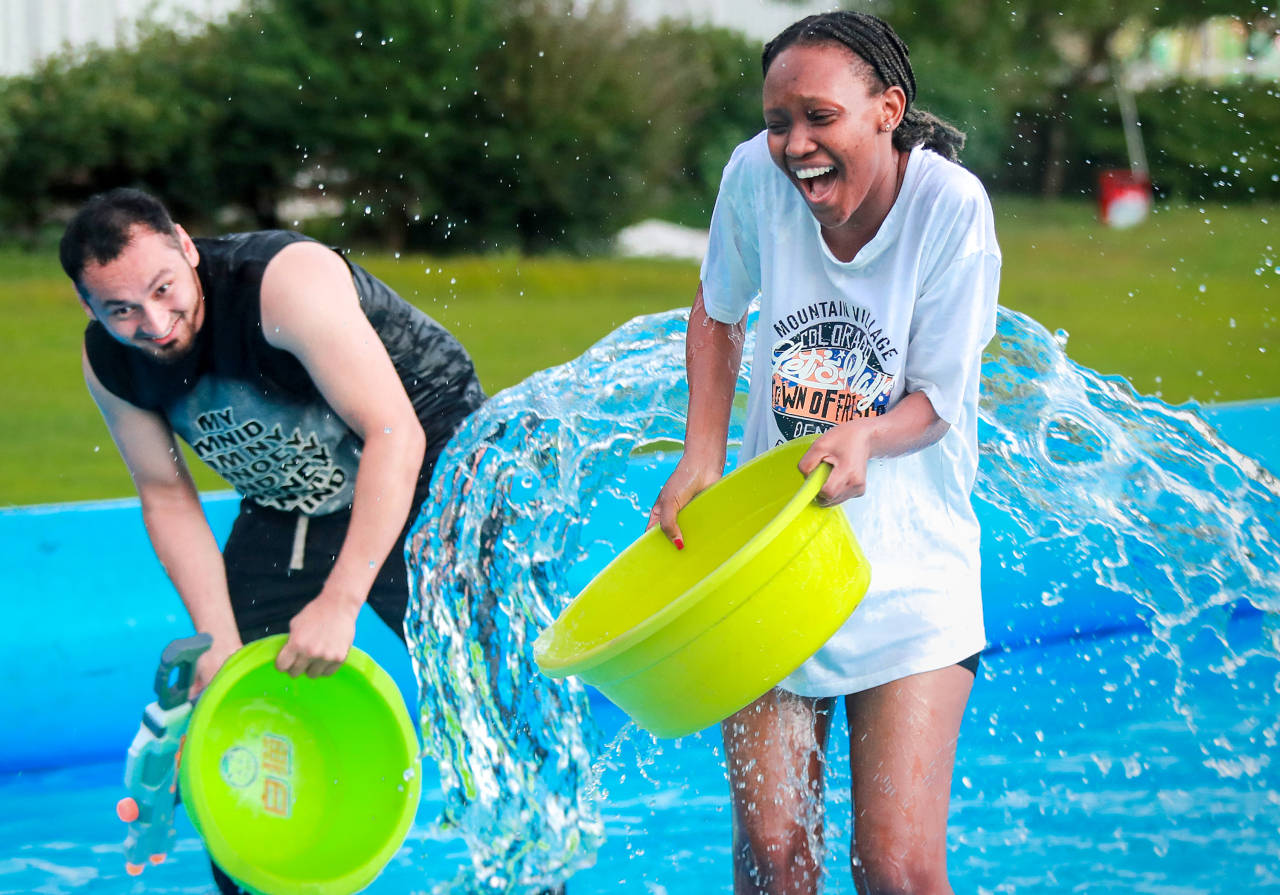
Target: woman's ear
point(893, 107)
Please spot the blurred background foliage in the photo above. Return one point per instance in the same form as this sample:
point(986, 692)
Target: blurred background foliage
point(530, 124)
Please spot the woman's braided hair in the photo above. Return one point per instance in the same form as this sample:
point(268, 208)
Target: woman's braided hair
point(874, 41)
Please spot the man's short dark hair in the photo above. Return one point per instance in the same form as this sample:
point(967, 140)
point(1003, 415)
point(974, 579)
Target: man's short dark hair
point(101, 229)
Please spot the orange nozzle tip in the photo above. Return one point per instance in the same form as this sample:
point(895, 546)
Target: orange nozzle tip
point(127, 809)
point(158, 859)
point(134, 869)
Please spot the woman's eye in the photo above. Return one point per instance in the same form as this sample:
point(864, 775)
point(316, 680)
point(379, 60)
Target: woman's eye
point(163, 288)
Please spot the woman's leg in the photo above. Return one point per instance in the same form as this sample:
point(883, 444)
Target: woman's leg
point(774, 750)
point(902, 749)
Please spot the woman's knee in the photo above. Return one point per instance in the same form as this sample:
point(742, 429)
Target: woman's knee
point(777, 861)
point(888, 865)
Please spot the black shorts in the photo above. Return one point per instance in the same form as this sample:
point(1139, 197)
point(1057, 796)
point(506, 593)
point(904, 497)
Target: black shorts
point(278, 562)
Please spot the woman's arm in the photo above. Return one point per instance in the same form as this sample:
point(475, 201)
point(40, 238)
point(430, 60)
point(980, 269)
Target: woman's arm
point(713, 354)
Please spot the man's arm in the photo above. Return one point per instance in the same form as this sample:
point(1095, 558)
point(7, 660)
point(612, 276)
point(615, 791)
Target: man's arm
point(175, 521)
point(310, 309)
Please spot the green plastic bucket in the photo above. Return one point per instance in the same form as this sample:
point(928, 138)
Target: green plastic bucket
point(680, 639)
point(300, 786)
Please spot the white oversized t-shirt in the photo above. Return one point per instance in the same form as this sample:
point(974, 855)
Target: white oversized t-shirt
point(910, 313)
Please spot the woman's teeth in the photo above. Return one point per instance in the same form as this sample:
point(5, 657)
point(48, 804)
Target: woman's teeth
point(810, 173)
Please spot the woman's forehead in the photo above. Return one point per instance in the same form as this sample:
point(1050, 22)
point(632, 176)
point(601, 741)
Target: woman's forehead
point(827, 64)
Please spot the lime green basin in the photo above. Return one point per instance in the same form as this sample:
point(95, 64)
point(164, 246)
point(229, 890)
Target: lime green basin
point(300, 786)
point(680, 639)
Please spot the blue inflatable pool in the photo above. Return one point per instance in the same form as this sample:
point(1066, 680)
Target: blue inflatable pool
point(1080, 768)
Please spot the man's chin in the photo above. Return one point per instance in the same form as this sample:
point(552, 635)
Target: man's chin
point(164, 354)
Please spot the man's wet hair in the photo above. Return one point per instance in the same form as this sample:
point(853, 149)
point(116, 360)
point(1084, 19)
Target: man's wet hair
point(875, 42)
point(102, 228)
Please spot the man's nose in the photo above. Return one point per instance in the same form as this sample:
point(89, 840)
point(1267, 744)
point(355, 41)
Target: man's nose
point(155, 319)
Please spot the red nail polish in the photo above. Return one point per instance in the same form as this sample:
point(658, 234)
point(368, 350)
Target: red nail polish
point(679, 542)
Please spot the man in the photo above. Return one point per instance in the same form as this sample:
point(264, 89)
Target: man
point(322, 396)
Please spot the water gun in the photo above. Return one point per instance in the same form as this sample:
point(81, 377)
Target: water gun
point(151, 770)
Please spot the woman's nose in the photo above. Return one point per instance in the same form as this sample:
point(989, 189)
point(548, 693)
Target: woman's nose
point(799, 143)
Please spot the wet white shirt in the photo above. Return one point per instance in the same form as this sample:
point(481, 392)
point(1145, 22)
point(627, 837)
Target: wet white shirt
point(910, 313)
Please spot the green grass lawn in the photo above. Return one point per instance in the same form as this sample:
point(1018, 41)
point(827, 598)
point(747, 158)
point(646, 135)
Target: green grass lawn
point(1184, 306)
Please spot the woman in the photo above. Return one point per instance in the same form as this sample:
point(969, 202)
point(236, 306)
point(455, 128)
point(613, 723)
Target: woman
point(875, 259)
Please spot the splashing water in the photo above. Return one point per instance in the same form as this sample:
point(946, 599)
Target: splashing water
point(1137, 511)
point(1101, 510)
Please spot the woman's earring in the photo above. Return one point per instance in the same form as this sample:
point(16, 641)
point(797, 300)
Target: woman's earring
point(884, 128)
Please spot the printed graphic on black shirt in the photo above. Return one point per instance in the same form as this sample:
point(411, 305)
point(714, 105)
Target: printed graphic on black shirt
point(282, 470)
point(828, 371)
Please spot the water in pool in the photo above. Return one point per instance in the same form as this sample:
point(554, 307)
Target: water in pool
point(1120, 736)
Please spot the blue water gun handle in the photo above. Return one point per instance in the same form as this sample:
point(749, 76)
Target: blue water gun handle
point(151, 770)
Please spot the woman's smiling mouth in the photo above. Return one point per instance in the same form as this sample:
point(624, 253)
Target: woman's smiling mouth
point(816, 181)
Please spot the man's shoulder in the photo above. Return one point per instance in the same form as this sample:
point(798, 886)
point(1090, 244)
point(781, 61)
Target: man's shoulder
point(232, 267)
point(252, 245)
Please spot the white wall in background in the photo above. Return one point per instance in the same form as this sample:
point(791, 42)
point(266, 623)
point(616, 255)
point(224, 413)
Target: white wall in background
point(30, 30)
point(758, 19)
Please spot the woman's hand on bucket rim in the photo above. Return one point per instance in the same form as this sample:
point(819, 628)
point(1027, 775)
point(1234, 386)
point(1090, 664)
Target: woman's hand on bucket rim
point(847, 449)
point(687, 481)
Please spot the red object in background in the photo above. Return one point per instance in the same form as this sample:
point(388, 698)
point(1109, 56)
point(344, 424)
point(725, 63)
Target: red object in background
point(1124, 197)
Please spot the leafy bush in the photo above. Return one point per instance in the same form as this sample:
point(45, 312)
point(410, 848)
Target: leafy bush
point(1202, 142)
point(463, 124)
point(1214, 143)
point(528, 124)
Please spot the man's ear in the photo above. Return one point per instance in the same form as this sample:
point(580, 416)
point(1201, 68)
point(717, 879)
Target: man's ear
point(88, 311)
point(189, 250)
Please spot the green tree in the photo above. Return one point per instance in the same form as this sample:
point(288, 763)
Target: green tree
point(1037, 57)
point(179, 114)
point(379, 96)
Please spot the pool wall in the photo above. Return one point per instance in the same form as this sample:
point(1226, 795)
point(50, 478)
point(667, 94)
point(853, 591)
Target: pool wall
point(90, 609)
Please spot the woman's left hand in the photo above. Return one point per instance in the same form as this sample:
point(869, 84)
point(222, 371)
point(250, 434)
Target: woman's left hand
point(910, 426)
point(847, 448)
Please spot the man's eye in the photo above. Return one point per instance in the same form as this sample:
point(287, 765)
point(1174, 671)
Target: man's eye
point(163, 288)
point(121, 312)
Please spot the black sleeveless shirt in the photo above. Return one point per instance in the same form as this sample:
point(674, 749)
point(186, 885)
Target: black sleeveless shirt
point(252, 412)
